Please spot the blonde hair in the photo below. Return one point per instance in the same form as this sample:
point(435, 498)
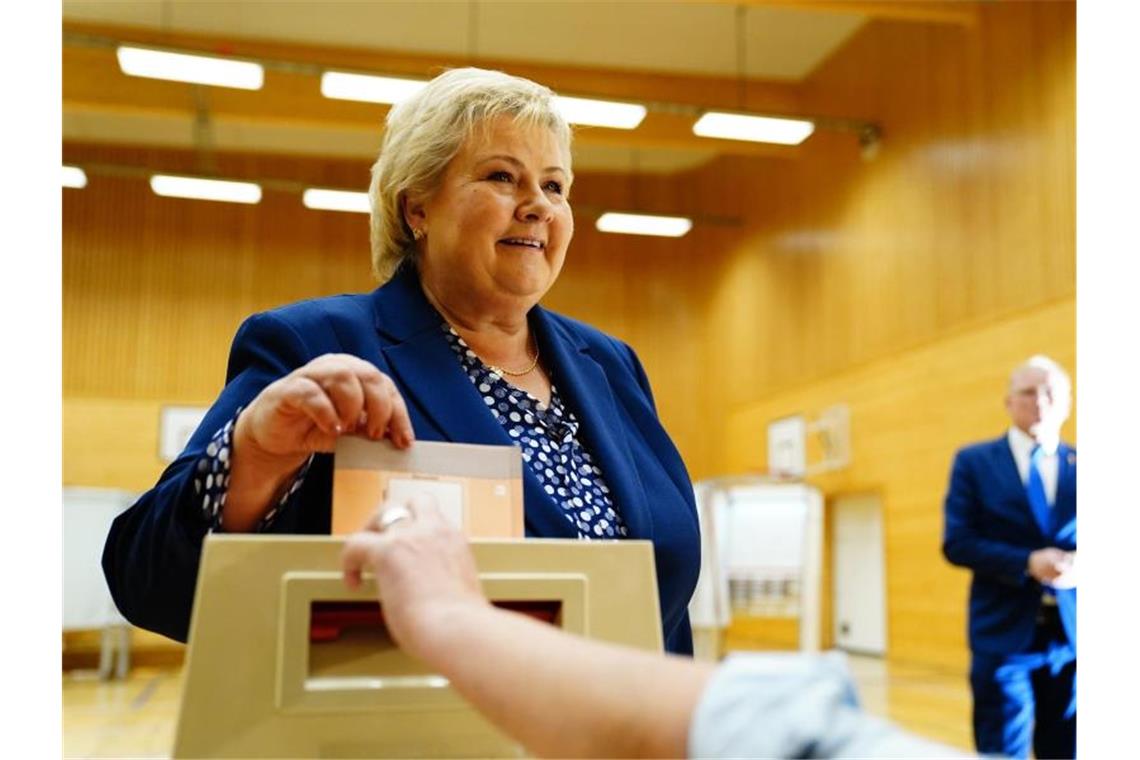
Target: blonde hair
point(423, 134)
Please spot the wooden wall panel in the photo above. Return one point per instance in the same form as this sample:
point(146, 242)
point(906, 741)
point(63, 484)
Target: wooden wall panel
point(906, 285)
point(965, 214)
point(111, 442)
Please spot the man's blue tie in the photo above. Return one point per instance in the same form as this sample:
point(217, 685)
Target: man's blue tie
point(1035, 491)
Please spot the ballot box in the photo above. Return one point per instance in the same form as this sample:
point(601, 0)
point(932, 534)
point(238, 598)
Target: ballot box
point(284, 660)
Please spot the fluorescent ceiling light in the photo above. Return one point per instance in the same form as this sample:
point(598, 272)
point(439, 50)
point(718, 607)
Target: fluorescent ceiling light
point(370, 89)
point(73, 176)
point(734, 126)
point(601, 113)
point(198, 69)
point(644, 224)
point(205, 189)
point(336, 200)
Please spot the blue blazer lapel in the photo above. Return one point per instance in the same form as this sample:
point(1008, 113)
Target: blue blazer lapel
point(432, 379)
point(584, 385)
point(425, 366)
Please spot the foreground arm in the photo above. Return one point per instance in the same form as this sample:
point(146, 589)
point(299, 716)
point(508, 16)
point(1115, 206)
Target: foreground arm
point(561, 695)
point(530, 680)
point(556, 693)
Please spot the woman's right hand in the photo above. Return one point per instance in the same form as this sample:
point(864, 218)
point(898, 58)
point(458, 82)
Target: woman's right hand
point(308, 409)
point(304, 413)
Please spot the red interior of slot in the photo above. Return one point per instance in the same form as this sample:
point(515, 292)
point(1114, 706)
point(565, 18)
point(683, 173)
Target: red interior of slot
point(328, 620)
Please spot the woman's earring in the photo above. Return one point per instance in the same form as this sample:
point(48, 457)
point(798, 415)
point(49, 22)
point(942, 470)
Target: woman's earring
point(418, 234)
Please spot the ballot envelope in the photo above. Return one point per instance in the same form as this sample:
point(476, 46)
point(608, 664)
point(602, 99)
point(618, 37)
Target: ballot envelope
point(283, 660)
point(477, 488)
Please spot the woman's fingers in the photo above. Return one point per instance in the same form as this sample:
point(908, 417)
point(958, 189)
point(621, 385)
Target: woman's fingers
point(364, 398)
point(341, 382)
point(333, 395)
point(378, 390)
point(309, 398)
point(384, 409)
point(400, 423)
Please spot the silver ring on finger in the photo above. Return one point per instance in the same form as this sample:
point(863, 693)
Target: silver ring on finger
point(393, 515)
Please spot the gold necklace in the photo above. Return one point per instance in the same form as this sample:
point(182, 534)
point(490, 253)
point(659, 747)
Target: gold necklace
point(520, 373)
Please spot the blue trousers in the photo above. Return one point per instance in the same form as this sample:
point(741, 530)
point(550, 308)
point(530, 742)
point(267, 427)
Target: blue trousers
point(1029, 697)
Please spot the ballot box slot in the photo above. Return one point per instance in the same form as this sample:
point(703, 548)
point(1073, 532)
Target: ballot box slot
point(350, 644)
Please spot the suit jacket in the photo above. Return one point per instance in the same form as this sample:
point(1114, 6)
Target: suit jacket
point(152, 551)
point(990, 529)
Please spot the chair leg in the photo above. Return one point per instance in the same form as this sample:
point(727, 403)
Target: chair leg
point(123, 662)
point(106, 652)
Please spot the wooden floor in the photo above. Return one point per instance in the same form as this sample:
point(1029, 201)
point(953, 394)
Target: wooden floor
point(133, 717)
point(933, 703)
point(136, 717)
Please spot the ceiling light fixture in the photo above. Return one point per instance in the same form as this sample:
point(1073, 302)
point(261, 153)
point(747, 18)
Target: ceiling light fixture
point(172, 186)
point(767, 129)
point(75, 177)
point(196, 69)
point(644, 224)
point(601, 113)
point(249, 74)
point(336, 200)
point(341, 85)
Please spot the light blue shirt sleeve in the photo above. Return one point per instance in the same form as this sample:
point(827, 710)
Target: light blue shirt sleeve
point(789, 705)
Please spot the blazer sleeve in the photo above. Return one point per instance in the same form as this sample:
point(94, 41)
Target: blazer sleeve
point(150, 557)
point(964, 542)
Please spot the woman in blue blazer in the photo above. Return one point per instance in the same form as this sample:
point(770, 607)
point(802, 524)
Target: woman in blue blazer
point(470, 226)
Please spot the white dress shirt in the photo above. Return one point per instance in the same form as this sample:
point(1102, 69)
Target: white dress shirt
point(1021, 444)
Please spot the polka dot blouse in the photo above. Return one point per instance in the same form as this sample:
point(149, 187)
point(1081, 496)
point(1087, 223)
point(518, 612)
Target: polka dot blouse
point(548, 437)
point(212, 480)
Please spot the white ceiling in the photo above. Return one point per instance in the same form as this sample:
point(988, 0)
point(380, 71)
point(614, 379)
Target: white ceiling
point(693, 38)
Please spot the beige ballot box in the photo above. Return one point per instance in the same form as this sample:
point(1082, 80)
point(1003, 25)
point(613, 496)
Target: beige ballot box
point(285, 661)
point(478, 488)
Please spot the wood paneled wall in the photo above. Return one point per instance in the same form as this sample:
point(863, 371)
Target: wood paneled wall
point(905, 286)
point(966, 213)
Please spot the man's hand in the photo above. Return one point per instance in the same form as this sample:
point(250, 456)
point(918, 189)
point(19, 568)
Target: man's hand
point(1049, 564)
point(1068, 578)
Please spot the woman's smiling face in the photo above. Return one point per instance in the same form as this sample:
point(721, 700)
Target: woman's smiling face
point(499, 223)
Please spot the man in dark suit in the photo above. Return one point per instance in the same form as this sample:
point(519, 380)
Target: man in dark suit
point(1011, 518)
